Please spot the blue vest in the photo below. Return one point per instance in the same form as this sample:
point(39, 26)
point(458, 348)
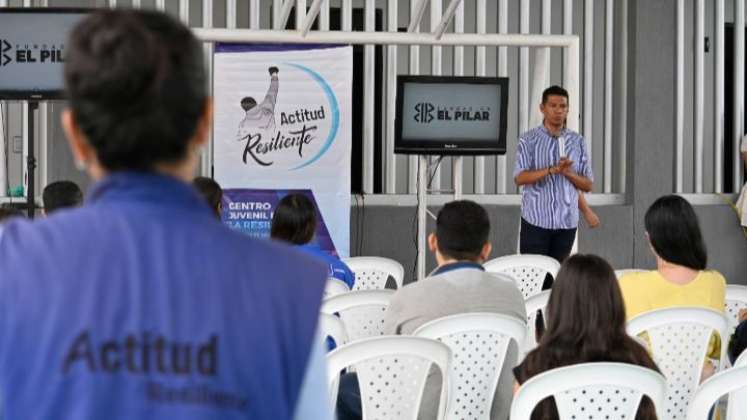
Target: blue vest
point(337, 268)
point(142, 305)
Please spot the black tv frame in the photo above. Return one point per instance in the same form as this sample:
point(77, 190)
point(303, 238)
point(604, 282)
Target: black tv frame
point(38, 95)
point(419, 146)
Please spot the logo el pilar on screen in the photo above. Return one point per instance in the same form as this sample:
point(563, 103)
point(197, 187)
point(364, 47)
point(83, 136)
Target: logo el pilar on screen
point(4, 50)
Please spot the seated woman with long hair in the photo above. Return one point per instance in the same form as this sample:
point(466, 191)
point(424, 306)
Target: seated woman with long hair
point(585, 323)
point(680, 278)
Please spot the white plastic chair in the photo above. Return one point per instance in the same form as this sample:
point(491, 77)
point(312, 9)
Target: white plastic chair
point(678, 340)
point(527, 270)
point(733, 382)
point(479, 344)
point(624, 271)
point(392, 372)
point(335, 287)
point(333, 327)
point(535, 303)
point(362, 312)
point(592, 391)
point(371, 273)
point(736, 299)
point(741, 360)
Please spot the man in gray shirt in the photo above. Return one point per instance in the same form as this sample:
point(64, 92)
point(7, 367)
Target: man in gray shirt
point(459, 285)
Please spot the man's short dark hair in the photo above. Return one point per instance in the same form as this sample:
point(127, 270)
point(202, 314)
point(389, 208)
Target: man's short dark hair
point(554, 90)
point(294, 220)
point(248, 103)
point(210, 190)
point(462, 229)
point(61, 194)
point(137, 86)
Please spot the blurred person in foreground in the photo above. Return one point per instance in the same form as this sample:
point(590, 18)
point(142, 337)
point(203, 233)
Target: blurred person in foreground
point(211, 192)
point(140, 304)
point(61, 195)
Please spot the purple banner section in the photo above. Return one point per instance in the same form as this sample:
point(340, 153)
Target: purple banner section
point(250, 211)
point(225, 47)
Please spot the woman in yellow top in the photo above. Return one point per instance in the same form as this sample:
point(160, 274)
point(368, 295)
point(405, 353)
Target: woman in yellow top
point(680, 278)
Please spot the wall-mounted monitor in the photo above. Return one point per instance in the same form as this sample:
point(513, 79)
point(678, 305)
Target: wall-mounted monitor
point(32, 51)
point(451, 115)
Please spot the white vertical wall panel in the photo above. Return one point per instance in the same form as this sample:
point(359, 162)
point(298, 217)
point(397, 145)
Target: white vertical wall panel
point(546, 30)
point(368, 104)
point(43, 125)
point(25, 128)
point(458, 162)
point(300, 13)
point(391, 95)
point(436, 70)
point(679, 114)
point(699, 91)
point(718, 124)
point(608, 93)
point(232, 16)
point(414, 69)
point(500, 171)
point(738, 106)
point(184, 11)
point(480, 70)
point(567, 30)
point(588, 106)
point(623, 93)
point(207, 22)
point(347, 15)
point(524, 70)
point(254, 14)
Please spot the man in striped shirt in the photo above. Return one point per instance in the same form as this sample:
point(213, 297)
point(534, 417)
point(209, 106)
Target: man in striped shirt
point(552, 165)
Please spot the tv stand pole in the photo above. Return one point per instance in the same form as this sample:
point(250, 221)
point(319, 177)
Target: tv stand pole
point(31, 162)
point(423, 205)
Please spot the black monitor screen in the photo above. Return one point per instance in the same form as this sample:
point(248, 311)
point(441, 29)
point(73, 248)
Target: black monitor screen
point(32, 51)
point(451, 115)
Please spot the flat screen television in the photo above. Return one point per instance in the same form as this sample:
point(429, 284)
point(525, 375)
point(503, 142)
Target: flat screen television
point(450, 115)
point(32, 51)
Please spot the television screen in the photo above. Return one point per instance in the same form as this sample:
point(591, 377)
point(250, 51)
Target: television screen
point(32, 51)
point(451, 115)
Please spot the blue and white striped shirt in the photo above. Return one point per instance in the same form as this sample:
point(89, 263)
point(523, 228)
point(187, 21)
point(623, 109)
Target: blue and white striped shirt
point(552, 202)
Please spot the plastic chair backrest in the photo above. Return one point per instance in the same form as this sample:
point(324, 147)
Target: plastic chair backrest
point(733, 382)
point(528, 270)
point(371, 273)
point(679, 340)
point(479, 344)
point(335, 287)
point(535, 303)
point(624, 271)
point(333, 327)
point(392, 372)
point(592, 390)
point(741, 360)
point(362, 312)
point(736, 299)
